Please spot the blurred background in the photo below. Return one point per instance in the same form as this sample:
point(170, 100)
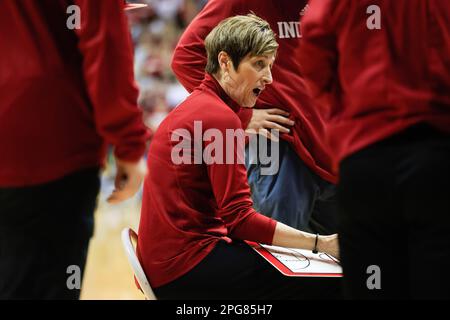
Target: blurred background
point(155, 31)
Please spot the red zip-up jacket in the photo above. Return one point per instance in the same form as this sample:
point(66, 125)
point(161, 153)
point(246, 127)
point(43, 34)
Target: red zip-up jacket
point(373, 83)
point(288, 90)
point(187, 207)
point(65, 93)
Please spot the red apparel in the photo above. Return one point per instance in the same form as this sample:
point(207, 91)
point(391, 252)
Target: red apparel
point(188, 208)
point(288, 90)
point(64, 92)
point(375, 83)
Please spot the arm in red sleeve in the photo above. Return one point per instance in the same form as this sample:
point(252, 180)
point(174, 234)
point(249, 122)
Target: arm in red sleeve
point(245, 114)
point(232, 193)
point(189, 58)
point(105, 45)
point(317, 52)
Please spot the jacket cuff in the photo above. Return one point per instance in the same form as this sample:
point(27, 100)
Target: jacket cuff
point(245, 114)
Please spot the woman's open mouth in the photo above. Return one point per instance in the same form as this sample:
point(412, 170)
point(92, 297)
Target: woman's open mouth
point(257, 92)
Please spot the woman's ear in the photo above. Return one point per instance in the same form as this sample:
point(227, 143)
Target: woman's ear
point(224, 61)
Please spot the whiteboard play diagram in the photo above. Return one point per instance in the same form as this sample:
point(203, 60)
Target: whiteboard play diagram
point(299, 262)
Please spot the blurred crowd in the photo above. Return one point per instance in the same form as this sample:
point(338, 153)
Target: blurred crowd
point(155, 31)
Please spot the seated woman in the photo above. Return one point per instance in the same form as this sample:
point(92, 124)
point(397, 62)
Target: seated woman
point(197, 209)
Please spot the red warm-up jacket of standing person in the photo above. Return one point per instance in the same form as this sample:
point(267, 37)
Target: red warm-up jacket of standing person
point(374, 82)
point(288, 90)
point(65, 94)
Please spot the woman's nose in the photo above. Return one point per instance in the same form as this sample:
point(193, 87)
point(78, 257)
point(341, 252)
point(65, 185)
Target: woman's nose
point(268, 77)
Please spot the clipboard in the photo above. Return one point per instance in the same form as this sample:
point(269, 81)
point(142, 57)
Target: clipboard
point(299, 262)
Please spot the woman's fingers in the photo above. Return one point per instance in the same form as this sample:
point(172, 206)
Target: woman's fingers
point(274, 125)
point(278, 111)
point(281, 120)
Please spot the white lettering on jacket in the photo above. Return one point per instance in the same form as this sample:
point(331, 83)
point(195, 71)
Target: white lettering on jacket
point(289, 29)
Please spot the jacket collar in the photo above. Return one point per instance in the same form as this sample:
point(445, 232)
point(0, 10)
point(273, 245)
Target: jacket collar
point(212, 84)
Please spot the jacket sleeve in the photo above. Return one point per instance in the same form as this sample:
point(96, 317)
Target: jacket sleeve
point(245, 115)
point(318, 53)
point(106, 47)
point(231, 190)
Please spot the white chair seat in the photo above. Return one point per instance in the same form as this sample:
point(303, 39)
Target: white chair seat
point(128, 236)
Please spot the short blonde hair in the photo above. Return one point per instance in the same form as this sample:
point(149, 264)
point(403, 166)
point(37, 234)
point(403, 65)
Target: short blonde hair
point(239, 36)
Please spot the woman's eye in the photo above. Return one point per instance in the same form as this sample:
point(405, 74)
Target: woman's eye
point(261, 64)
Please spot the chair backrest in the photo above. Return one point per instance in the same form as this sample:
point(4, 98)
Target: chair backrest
point(128, 236)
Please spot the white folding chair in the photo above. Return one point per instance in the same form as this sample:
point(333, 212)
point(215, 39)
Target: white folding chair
point(128, 236)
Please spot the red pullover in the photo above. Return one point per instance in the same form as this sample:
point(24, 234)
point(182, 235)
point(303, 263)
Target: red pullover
point(188, 208)
point(373, 83)
point(288, 90)
point(65, 93)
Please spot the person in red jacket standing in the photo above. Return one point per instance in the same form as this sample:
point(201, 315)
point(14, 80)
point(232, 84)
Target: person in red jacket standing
point(66, 91)
point(380, 72)
point(302, 192)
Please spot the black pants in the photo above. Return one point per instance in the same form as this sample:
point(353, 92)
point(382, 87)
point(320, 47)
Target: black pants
point(44, 230)
point(394, 207)
point(236, 271)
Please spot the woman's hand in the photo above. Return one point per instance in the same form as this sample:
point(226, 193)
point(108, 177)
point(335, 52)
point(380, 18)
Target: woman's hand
point(289, 237)
point(128, 180)
point(329, 244)
point(264, 120)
